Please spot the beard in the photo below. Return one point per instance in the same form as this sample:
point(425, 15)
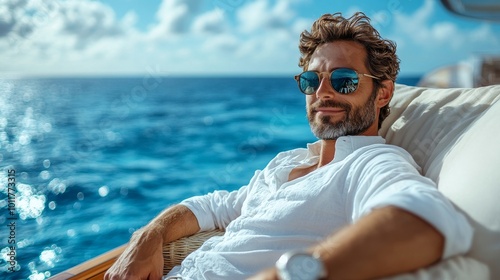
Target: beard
point(357, 119)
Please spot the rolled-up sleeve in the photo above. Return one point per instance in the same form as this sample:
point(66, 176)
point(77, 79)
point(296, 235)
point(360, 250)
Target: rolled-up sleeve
point(219, 208)
point(390, 177)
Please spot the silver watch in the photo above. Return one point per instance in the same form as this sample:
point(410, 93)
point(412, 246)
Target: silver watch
point(300, 266)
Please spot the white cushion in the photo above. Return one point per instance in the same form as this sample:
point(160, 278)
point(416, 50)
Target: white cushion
point(454, 135)
point(456, 268)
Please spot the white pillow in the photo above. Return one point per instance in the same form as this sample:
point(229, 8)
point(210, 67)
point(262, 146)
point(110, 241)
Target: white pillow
point(454, 135)
point(455, 268)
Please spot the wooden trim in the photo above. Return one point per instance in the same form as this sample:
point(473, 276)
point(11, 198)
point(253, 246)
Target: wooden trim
point(93, 269)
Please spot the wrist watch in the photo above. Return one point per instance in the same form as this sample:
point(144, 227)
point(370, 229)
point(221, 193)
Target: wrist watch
point(300, 266)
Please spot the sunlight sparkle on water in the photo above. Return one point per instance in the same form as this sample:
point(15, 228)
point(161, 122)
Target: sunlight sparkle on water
point(3, 254)
point(29, 205)
point(5, 258)
point(57, 186)
point(103, 191)
point(24, 243)
point(96, 228)
point(45, 175)
point(52, 205)
point(48, 257)
point(37, 276)
point(80, 196)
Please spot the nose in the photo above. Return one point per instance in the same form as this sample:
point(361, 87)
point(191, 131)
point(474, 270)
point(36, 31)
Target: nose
point(325, 89)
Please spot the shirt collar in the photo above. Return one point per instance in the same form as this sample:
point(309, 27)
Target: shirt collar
point(344, 146)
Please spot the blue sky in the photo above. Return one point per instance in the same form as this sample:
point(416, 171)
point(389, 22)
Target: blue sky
point(216, 37)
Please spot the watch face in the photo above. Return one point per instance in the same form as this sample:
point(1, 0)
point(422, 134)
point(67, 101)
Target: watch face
point(303, 267)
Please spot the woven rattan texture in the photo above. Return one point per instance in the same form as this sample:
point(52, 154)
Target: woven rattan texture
point(175, 252)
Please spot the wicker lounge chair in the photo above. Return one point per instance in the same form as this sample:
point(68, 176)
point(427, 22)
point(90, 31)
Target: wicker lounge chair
point(175, 252)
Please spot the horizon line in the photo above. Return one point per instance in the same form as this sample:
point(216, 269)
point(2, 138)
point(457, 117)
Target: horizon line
point(10, 76)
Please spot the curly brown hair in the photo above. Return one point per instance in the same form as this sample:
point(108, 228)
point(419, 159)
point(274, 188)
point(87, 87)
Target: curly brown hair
point(381, 61)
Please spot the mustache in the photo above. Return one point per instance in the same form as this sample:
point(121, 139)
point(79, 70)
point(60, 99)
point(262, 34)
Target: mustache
point(332, 104)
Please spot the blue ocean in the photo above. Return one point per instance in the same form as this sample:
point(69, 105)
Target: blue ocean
point(87, 161)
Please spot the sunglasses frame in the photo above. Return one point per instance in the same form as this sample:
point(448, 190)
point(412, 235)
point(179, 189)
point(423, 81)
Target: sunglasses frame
point(297, 78)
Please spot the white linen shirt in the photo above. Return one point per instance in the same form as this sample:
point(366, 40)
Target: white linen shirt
point(272, 215)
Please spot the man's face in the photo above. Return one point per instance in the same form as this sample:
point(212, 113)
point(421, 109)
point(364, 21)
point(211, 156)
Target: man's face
point(331, 114)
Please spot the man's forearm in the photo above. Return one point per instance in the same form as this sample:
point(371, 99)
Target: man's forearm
point(173, 223)
point(142, 259)
point(385, 242)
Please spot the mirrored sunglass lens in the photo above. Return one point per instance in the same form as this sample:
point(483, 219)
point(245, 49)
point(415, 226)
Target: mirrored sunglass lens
point(344, 80)
point(309, 82)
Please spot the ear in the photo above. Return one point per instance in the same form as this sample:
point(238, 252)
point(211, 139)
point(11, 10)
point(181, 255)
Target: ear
point(384, 93)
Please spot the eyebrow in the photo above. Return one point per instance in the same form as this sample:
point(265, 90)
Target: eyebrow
point(332, 69)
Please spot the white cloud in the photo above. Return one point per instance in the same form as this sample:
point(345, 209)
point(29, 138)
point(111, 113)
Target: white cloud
point(484, 33)
point(300, 25)
point(63, 36)
point(259, 15)
point(6, 20)
point(210, 22)
point(414, 25)
point(446, 33)
point(86, 36)
point(61, 26)
point(225, 43)
point(351, 11)
point(175, 17)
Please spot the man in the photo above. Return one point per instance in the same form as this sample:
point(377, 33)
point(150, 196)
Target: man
point(346, 207)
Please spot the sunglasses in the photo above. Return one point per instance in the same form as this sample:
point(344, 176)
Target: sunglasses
point(342, 80)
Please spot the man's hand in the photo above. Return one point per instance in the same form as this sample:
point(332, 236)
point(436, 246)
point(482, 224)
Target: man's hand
point(142, 259)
